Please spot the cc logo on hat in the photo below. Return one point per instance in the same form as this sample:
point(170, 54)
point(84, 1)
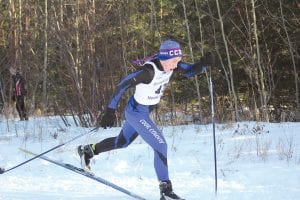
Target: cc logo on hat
point(175, 52)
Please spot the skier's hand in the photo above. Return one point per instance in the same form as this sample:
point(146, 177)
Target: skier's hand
point(108, 118)
point(208, 59)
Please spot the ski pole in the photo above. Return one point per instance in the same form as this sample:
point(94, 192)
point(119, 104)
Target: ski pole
point(41, 154)
point(214, 134)
point(86, 174)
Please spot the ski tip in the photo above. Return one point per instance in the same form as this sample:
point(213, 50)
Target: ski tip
point(2, 170)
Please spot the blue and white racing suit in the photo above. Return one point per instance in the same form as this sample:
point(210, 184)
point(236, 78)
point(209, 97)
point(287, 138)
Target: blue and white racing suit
point(150, 81)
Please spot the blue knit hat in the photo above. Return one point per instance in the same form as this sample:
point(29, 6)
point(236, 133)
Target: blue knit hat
point(169, 49)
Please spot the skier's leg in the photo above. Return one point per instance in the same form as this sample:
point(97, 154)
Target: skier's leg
point(137, 116)
point(87, 152)
point(125, 138)
point(23, 109)
point(18, 107)
point(153, 136)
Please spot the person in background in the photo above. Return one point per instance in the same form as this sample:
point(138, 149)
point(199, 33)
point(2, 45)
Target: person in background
point(150, 80)
point(19, 94)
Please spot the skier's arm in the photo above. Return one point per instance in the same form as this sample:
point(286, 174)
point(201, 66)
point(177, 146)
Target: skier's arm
point(142, 75)
point(14, 94)
point(190, 70)
point(14, 83)
point(23, 87)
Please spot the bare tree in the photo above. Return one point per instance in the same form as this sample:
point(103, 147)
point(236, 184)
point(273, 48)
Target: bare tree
point(292, 56)
point(235, 115)
point(44, 74)
point(260, 68)
point(13, 40)
point(192, 56)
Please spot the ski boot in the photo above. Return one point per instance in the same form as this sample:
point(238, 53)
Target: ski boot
point(166, 191)
point(2, 170)
point(86, 153)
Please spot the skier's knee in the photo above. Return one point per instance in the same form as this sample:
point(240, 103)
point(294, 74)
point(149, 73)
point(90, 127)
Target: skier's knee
point(164, 147)
point(121, 142)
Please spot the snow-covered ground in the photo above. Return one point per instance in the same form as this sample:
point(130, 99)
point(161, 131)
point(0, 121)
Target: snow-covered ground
point(255, 161)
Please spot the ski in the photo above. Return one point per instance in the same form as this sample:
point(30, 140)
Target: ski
point(43, 153)
point(86, 174)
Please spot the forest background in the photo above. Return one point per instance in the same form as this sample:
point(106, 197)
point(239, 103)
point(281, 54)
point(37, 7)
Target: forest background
point(73, 52)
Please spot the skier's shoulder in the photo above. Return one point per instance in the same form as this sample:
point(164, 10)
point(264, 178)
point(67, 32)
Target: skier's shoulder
point(153, 65)
point(148, 68)
point(145, 73)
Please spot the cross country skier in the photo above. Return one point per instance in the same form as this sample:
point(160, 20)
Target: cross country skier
point(149, 81)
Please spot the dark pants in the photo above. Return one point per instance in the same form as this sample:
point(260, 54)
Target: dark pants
point(20, 106)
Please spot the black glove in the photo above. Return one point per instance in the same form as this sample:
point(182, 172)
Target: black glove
point(208, 59)
point(108, 118)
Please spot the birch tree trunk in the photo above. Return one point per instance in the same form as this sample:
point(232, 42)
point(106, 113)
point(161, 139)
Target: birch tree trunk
point(192, 57)
point(251, 71)
point(153, 26)
point(122, 40)
point(261, 73)
point(202, 53)
point(45, 57)
point(20, 30)
point(77, 55)
point(200, 28)
point(292, 56)
point(13, 40)
point(235, 115)
point(221, 61)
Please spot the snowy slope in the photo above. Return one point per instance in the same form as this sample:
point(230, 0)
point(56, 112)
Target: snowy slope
point(255, 161)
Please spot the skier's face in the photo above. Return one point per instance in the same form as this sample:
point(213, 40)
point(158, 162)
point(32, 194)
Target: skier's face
point(170, 64)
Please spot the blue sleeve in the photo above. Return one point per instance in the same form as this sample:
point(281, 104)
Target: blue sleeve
point(143, 75)
point(189, 70)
